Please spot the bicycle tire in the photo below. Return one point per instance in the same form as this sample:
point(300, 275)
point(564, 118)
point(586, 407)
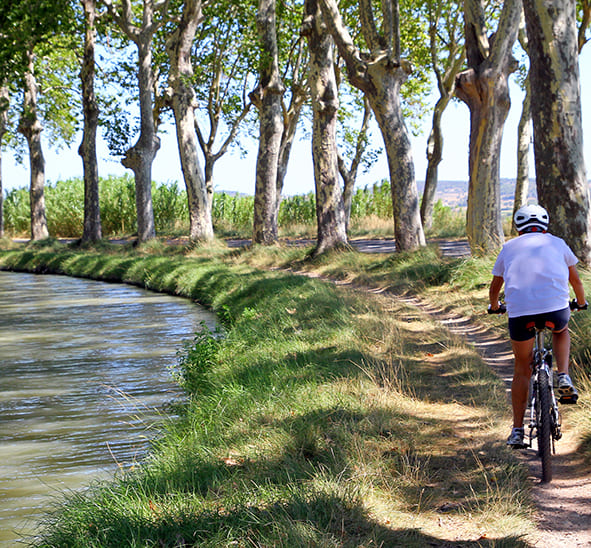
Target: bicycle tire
point(543, 418)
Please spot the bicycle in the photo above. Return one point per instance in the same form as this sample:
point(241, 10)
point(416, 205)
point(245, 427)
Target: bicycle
point(544, 415)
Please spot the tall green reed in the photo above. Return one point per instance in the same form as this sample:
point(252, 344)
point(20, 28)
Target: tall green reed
point(232, 213)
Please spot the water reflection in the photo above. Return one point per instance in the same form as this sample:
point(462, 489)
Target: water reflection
point(84, 371)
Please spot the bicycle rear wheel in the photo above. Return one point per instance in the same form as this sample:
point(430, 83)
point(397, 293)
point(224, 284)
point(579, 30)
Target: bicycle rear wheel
point(543, 420)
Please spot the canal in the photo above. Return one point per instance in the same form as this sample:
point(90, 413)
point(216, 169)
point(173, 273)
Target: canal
point(85, 377)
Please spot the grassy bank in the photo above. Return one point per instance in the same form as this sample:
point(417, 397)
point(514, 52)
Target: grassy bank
point(324, 416)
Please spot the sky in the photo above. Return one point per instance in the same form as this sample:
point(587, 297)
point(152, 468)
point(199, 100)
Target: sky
point(236, 173)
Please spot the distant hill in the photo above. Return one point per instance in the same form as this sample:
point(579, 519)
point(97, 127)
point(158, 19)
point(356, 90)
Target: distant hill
point(455, 193)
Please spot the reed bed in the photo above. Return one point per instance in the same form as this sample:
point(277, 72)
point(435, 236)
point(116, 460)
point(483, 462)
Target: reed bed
point(371, 211)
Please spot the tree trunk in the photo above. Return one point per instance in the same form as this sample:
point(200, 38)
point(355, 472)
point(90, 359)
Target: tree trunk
point(523, 140)
point(434, 157)
point(348, 186)
point(330, 208)
point(379, 75)
point(484, 88)
point(183, 105)
point(556, 113)
point(4, 102)
point(488, 99)
point(92, 214)
point(140, 157)
point(290, 124)
point(269, 92)
point(385, 103)
point(442, 17)
point(30, 127)
point(349, 175)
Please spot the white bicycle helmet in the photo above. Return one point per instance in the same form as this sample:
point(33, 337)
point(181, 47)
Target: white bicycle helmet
point(531, 216)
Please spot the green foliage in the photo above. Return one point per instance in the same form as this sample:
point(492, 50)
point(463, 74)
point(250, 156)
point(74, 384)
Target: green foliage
point(376, 200)
point(26, 24)
point(17, 212)
point(197, 361)
point(171, 209)
point(298, 210)
point(232, 213)
point(60, 103)
point(447, 222)
point(117, 201)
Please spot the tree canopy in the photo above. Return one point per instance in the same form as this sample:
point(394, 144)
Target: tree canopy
point(394, 53)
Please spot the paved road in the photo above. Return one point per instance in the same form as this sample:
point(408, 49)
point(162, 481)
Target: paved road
point(449, 248)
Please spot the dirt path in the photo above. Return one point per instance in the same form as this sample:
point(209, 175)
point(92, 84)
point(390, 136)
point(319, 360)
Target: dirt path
point(564, 505)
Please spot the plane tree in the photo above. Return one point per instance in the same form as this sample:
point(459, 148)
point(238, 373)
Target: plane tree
point(139, 22)
point(39, 67)
point(354, 151)
point(483, 86)
point(92, 214)
point(268, 98)
point(447, 56)
point(182, 98)
point(279, 97)
point(375, 65)
point(4, 103)
point(553, 45)
point(330, 207)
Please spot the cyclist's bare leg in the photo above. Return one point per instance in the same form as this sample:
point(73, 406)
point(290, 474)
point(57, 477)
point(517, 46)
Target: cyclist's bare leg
point(561, 349)
point(523, 353)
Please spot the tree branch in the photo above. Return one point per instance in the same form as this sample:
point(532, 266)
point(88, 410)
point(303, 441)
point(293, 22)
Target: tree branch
point(356, 67)
point(477, 46)
point(504, 39)
point(368, 27)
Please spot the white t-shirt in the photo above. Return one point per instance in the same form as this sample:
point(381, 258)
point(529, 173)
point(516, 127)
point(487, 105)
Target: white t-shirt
point(535, 269)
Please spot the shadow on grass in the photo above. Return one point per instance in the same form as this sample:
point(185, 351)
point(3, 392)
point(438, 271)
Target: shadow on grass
point(315, 521)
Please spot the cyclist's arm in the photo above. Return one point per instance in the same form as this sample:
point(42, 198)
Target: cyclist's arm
point(577, 284)
point(494, 291)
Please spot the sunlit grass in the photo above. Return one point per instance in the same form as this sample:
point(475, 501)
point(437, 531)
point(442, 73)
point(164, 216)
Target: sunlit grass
point(324, 416)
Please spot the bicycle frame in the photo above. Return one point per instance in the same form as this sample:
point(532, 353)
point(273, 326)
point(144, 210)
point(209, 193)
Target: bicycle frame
point(544, 417)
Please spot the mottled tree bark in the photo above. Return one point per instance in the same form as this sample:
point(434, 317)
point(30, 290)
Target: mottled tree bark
point(183, 103)
point(30, 127)
point(379, 73)
point(330, 208)
point(434, 157)
point(87, 150)
point(291, 116)
point(556, 113)
point(523, 141)
point(269, 93)
point(484, 88)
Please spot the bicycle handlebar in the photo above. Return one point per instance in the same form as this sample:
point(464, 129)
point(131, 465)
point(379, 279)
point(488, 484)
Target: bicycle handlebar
point(501, 310)
point(574, 305)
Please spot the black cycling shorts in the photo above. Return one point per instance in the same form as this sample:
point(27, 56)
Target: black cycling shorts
point(522, 328)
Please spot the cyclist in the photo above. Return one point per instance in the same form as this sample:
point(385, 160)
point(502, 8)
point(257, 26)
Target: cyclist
point(536, 269)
